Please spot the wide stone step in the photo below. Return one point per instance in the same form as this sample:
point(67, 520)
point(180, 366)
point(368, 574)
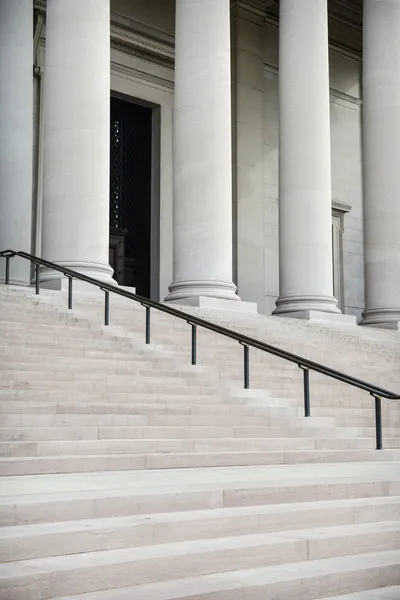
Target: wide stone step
point(23, 433)
point(47, 498)
point(138, 446)
point(59, 576)
point(77, 573)
point(48, 413)
point(186, 407)
point(70, 537)
point(305, 580)
point(28, 465)
point(383, 593)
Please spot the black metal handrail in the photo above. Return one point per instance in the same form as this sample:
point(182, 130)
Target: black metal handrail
point(247, 342)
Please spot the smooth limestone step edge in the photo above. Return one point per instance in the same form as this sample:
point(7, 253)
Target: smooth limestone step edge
point(172, 335)
point(69, 537)
point(29, 465)
point(83, 572)
point(383, 593)
point(305, 580)
point(50, 507)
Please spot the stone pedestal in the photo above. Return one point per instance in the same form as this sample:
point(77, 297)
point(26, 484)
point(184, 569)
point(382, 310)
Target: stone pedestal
point(381, 146)
point(305, 217)
point(76, 138)
point(202, 154)
point(16, 134)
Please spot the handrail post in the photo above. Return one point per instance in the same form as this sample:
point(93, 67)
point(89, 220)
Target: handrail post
point(194, 344)
point(147, 324)
point(106, 308)
point(246, 367)
point(378, 421)
point(37, 288)
point(69, 293)
point(306, 389)
point(8, 258)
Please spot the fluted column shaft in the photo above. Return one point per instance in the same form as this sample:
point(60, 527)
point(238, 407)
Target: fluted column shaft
point(381, 148)
point(202, 152)
point(76, 137)
point(305, 213)
point(16, 133)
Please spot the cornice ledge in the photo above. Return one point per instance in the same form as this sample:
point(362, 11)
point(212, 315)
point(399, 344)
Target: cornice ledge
point(133, 43)
point(346, 97)
point(340, 206)
point(257, 7)
point(40, 6)
point(130, 73)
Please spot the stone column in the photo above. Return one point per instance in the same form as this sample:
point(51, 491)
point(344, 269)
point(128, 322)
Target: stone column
point(381, 146)
point(76, 138)
point(305, 212)
point(202, 154)
point(16, 133)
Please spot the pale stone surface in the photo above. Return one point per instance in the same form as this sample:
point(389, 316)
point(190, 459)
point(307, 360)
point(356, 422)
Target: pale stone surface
point(202, 152)
point(247, 51)
point(217, 303)
point(305, 237)
point(381, 137)
point(322, 317)
point(345, 126)
point(16, 133)
point(76, 138)
point(109, 511)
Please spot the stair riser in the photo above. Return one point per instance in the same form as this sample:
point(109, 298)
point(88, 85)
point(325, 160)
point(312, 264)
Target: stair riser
point(121, 462)
point(53, 509)
point(86, 579)
point(158, 532)
point(336, 437)
point(100, 447)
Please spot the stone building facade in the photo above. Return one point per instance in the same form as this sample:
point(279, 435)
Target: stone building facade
point(216, 153)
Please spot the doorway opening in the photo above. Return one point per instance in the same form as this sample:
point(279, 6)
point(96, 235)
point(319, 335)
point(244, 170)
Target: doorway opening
point(134, 197)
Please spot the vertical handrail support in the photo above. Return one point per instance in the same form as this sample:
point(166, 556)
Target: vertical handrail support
point(194, 343)
point(378, 421)
point(106, 308)
point(69, 293)
point(306, 390)
point(246, 365)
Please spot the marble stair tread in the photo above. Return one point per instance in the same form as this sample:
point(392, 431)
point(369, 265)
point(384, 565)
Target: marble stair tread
point(383, 593)
point(28, 465)
point(54, 504)
point(90, 571)
point(35, 441)
point(88, 535)
point(97, 446)
point(135, 426)
point(304, 580)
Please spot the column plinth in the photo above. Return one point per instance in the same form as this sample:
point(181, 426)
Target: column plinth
point(305, 213)
point(381, 152)
point(76, 139)
point(202, 155)
point(16, 134)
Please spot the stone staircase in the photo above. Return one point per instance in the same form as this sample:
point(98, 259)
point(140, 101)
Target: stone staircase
point(127, 473)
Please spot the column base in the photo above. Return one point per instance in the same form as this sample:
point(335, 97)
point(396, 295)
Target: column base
point(305, 304)
point(317, 316)
point(384, 318)
point(225, 290)
point(54, 280)
point(207, 302)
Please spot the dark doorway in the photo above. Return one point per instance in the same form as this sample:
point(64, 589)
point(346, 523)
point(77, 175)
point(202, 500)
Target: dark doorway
point(131, 194)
